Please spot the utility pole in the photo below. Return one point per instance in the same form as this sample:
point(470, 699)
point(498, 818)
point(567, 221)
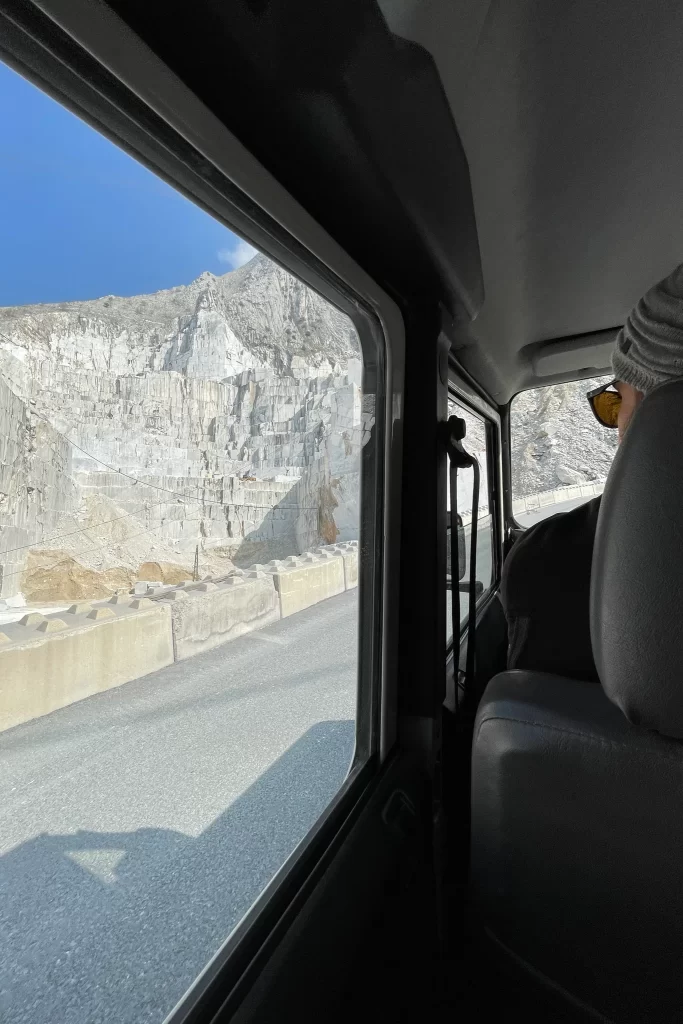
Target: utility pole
point(195, 575)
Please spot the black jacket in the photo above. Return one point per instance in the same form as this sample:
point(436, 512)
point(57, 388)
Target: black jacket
point(545, 591)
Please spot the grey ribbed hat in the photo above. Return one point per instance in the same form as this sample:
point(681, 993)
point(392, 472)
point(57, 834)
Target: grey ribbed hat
point(649, 347)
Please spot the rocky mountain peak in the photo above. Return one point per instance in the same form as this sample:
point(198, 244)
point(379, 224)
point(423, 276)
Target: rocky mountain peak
point(255, 315)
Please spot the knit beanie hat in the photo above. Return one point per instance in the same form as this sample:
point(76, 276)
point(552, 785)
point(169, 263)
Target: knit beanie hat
point(649, 347)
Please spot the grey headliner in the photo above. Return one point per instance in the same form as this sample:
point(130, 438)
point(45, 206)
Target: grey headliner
point(570, 114)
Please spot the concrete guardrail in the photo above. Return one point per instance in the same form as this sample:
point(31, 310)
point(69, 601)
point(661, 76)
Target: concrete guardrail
point(207, 614)
point(303, 581)
point(50, 661)
point(533, 502)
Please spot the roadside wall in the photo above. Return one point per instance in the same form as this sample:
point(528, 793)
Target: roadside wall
point(50, 661)
point(210, 614)
point(47, 662)
point(533, 502)
point(306, 580)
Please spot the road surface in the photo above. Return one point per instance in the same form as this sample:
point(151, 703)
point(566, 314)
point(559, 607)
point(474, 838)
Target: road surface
point(526, 519)
point(137, 827)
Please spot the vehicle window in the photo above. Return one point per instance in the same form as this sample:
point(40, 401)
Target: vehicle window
point(560, 454)
point(475, 444)
point(181, 427)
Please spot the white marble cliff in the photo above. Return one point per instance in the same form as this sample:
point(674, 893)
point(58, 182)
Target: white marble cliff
point(224, 414)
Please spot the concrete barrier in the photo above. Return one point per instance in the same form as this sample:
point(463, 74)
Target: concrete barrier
point(348, 550)
point(49, 661)
point(307, 579)
point(533, 502)
point(207, 614)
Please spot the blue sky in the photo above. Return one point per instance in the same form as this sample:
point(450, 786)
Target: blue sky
point(79, 218)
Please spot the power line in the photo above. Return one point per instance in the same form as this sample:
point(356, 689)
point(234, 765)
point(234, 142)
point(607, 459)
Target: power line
point(99, 547)
point(102, 547)
point(179, 495)
point(158, 487)
point(127, 515)
point(167, 490)
point(84, 529)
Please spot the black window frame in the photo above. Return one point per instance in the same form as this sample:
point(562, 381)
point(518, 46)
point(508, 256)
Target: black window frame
point(511, 525)
point(465, 395)
point(33, 45)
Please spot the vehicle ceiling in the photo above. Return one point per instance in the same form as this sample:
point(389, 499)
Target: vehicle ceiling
point(569, 115)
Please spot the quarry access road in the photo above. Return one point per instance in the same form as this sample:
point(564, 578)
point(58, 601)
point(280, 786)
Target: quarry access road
point(527, 519)
point(137, 826)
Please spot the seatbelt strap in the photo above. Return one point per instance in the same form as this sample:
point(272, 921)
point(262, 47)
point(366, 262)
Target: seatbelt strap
point(460, 459)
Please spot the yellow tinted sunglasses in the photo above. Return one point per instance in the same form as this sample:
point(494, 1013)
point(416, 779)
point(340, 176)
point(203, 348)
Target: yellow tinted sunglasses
point(605, 404)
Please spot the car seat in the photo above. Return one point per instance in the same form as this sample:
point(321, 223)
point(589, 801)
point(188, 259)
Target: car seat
point(577, 789)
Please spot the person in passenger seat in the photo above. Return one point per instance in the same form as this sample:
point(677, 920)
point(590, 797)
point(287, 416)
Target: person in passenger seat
point(545, 587)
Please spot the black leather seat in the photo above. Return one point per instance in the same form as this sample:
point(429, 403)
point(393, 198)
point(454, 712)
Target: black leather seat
point(577, 790)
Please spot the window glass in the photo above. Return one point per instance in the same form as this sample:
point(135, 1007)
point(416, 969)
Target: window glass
point(560, 454)
point(475, 444)
point(181, 427)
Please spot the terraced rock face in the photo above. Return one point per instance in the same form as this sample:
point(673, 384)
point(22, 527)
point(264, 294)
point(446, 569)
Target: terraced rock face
point(224, 414)
point(556, 440)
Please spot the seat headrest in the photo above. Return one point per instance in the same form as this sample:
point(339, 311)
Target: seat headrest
point(637, 576)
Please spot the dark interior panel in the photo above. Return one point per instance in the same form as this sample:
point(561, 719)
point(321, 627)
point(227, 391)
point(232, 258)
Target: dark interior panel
point(344, 956)
point(350, 119)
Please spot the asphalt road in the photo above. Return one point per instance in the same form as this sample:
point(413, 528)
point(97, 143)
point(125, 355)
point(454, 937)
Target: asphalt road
point(138, 826)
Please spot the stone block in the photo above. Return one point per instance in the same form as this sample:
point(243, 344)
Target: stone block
point(303, 585)
point(207, 619)
point(41, 671)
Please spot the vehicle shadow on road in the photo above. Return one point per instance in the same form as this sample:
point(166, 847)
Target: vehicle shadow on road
point(114, 926)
